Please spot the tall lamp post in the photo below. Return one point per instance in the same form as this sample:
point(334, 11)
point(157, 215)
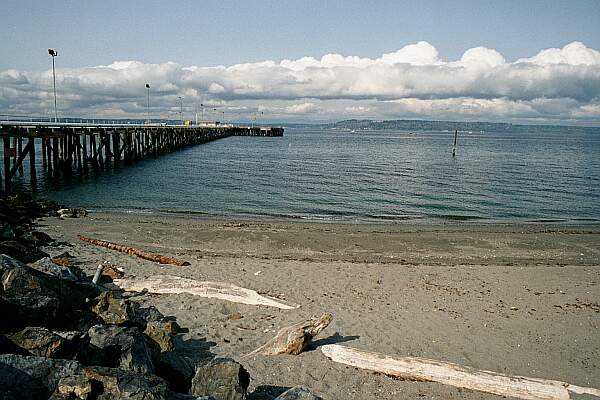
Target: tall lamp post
point(148, 102)
point(202, 106)
point(181, 108)
point(54, 53)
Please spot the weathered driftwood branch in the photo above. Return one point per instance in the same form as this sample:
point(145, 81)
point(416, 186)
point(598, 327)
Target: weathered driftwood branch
point(135, 252)
point(294, 339)
point(166, 284)
point(421, 369)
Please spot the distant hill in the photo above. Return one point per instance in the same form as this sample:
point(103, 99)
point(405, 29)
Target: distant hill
point(423, 125)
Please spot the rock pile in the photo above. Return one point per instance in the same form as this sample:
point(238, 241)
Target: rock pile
point(62, 337)
point(17, 238)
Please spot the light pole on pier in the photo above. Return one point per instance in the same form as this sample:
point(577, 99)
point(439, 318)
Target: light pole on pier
point(148, 103)
point(181, 108)
point(54, 53)
point(202, 107)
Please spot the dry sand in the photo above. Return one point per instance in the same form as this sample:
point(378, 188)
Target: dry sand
point(517, 299)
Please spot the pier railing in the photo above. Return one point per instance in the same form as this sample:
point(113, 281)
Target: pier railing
point(68, 147)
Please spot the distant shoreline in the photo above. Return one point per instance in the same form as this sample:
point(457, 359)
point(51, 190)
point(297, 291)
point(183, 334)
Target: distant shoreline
point(433, 125)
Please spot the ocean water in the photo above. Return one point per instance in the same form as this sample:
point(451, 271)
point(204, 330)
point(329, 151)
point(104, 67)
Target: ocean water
point(383, 176)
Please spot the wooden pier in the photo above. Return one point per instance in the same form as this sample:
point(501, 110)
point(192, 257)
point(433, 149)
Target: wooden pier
point(67, 148)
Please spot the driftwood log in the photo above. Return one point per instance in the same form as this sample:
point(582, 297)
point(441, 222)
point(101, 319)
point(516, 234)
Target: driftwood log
point(168, 284)
point(135, 252)
point(294, 339)
point(421, 369)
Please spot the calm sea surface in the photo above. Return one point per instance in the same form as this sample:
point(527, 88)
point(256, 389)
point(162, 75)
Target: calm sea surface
point(366, 176)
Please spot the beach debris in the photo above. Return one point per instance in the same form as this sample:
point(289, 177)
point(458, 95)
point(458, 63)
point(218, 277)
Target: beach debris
point(222, 378)
point(169, 284)
point(146, 255)
point(257, 273)
point(96, 277)
point(71, 213)
point(293, 339)
point(421, 369)
point(299, 392)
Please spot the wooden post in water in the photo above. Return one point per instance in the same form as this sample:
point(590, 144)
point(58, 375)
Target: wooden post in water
point(49, 156)
point(84, 148)
point(107, 153)
point(14, 146)
point(99, 153)
point(6, 164)
point(19, 151)
point(454, 149)
point(32, 174)
point(43, 152)
point(55, 156)
point(93, 154)
point(116, 148)
point(78, 153)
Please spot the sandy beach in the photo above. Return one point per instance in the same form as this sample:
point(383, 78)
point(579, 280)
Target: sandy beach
point(517, 299)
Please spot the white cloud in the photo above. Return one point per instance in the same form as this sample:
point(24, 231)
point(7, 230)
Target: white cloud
point(414, 79)
point(303, 108)
point(575, 53)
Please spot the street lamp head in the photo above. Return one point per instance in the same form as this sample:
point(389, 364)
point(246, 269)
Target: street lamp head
point(147, 86)
point(52, 52)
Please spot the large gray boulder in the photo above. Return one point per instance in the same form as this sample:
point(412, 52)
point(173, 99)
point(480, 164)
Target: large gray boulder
point(33, 298)
point(176, 369)
point(222, 378)
point(119, 384)
point(43, 342)
point(26, 253)
point(110, 383)
point(20, 311)
point(116, 346)
point(116, 311)
point(32, 377)
point(7, 263)
point(48, 266)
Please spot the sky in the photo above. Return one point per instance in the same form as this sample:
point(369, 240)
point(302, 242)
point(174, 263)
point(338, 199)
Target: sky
point(305, 61)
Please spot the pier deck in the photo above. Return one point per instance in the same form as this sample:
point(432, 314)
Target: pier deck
point(67, 148)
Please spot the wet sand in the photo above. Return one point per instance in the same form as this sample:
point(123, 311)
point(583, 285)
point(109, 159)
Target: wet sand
point(517, 299)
